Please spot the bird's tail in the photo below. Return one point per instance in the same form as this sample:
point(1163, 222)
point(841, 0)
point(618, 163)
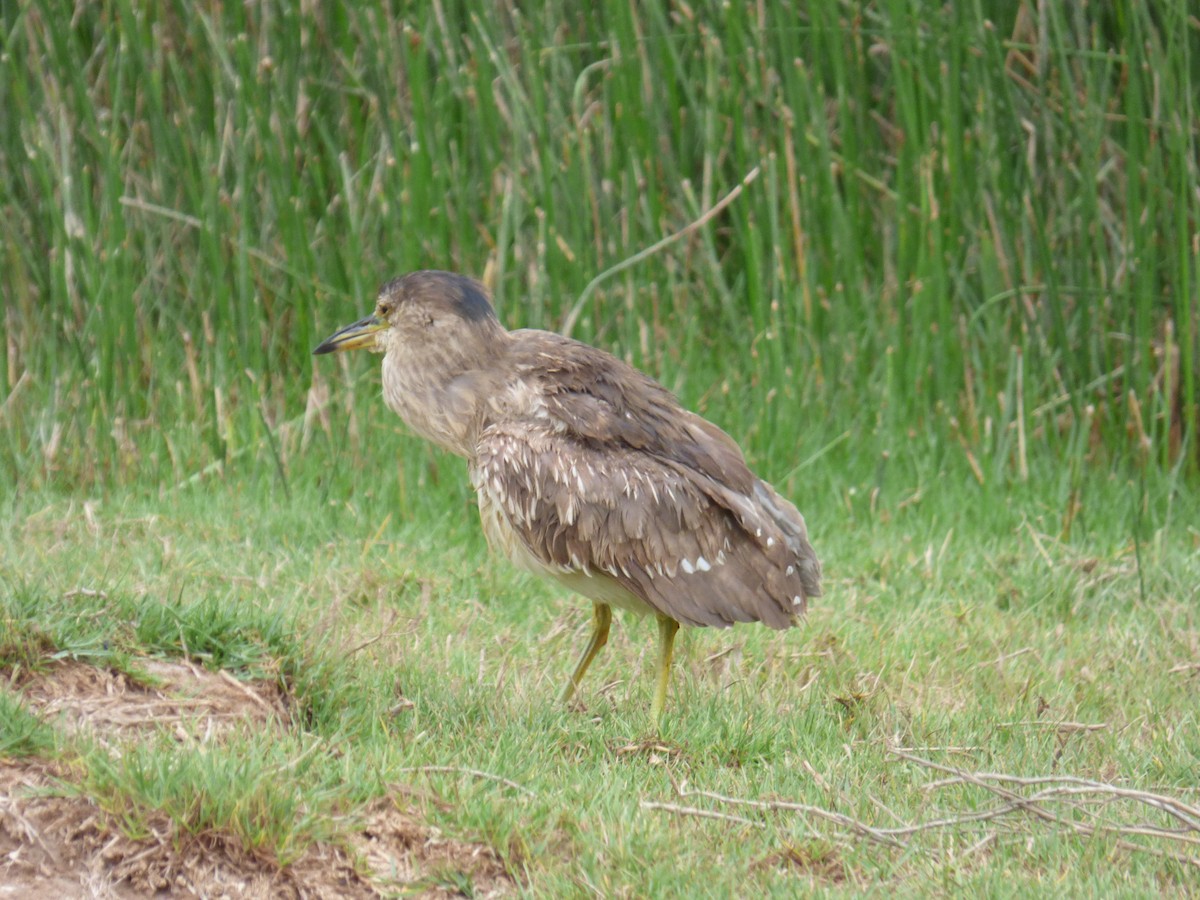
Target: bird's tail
point(790, 523)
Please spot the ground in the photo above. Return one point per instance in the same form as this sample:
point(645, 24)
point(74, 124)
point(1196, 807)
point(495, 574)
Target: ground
point(57, 844)
point(223, 697)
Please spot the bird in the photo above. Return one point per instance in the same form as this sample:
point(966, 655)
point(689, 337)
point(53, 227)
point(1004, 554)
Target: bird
point(587, 471)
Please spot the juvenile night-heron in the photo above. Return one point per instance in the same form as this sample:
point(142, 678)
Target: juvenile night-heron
point(586, 470)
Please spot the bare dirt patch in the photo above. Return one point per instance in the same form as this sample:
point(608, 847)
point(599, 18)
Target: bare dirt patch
point(63, 846)
point(56, 846)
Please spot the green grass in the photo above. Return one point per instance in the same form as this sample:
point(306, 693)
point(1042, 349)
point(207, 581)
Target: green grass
point(24, 734)
point(273, 798)
point(952, 313)
point(984, 641)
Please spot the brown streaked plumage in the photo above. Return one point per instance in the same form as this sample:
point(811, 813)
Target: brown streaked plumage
point(588, 471)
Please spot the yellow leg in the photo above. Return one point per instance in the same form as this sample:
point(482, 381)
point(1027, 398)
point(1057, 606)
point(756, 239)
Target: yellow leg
point(601, 619)
point(666, 649)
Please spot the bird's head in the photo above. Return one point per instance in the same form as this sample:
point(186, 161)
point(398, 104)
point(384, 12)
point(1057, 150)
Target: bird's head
point(419, 311)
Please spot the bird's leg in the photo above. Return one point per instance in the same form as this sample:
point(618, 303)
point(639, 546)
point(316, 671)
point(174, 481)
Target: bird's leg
point(666, 648)
point(601, 619)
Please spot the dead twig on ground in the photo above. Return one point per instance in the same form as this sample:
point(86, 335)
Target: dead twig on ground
point(474, 773)
point(1084, 808)
point(1033, 804)
point(880, 835)
point(697, 811)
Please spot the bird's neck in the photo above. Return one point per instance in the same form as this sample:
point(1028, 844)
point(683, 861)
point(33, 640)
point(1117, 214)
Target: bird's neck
point(442, 391)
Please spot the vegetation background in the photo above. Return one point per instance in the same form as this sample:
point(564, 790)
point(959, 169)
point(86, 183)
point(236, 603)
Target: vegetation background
point(935, 266)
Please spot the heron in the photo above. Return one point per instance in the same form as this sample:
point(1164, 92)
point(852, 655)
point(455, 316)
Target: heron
point(587, 471)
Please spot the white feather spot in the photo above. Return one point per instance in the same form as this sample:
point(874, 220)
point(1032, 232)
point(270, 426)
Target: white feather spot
point(702, 564)
point(797, 600)
point(758, 532)
point(790, 570)
point(686, 565)
point(770, 542)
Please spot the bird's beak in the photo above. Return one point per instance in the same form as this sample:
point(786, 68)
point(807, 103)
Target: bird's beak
point(354, 337)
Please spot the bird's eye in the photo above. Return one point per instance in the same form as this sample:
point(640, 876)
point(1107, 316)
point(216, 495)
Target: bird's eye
point(382, 310)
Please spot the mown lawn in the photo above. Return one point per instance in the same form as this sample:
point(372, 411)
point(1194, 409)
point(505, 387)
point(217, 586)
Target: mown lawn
point(415, 667)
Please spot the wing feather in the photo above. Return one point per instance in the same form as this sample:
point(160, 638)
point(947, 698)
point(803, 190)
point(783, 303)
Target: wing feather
point(590, 466)
point(684, 546)
point(601, 399)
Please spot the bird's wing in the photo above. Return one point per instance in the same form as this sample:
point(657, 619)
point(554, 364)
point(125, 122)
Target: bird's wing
point(690, 547)
point(601, 399)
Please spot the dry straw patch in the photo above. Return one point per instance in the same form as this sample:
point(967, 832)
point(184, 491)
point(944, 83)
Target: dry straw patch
point(110, 705)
